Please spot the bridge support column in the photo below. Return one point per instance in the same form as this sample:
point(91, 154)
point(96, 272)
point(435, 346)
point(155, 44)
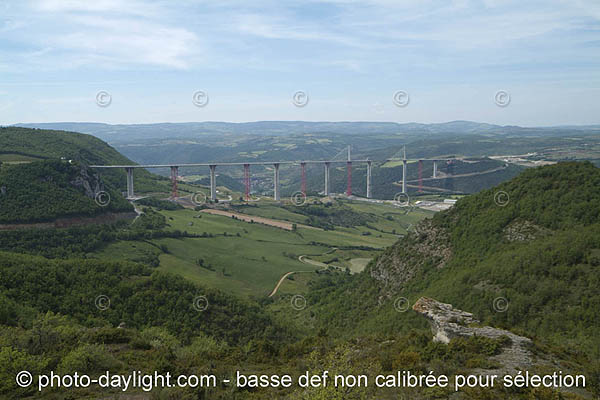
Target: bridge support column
point(213, 182)
point(247, 180)
point(303, 178)
point(276, 194)
point(130, 194)
point(369, 180)
point(404, 163)
point(435, 169)
point(174, 174)
point(326, 191)
point(349, 185)
point(420, 176)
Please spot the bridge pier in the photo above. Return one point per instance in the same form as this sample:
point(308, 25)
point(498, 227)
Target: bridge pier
point(130, 194)
point(303, 178)
point(435, 169)
point(349, 185)
point(174, 174)
point(369, 180)
point(213, 182)
point(420, 176)
point(404, 163)
point(276, 194)
point(327, 165)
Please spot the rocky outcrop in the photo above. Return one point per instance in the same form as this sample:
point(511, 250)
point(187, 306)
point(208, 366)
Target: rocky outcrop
point(524, 231)
point(448, 323)
point(428, 246)
point(90, 184)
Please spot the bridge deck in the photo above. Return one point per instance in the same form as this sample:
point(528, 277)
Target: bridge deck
point(227, 164)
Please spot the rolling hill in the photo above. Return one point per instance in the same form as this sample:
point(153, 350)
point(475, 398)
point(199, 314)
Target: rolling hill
point(42, 191)
point(522, 256)
point(24, 145)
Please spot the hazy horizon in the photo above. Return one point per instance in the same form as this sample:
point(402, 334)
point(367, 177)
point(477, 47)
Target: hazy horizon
point(306, 121)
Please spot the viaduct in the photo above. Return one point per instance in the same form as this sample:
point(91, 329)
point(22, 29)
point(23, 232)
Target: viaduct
point(276, 189)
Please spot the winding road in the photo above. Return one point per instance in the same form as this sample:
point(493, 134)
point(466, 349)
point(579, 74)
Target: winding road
point(303, 259)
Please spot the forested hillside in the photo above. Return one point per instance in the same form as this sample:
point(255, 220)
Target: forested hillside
point(524, 256)
point(533, 242)
point(45, 190)
point(86, 149)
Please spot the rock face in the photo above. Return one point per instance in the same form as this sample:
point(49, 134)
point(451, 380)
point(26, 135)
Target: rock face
point(524, 231)
point(427, 246)
point(91, 184)
point(448, 323)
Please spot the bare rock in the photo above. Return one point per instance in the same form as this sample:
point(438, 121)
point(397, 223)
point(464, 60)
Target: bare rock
point(90, 184)
point(428, 245)
point(523, 231)
point(448, 323)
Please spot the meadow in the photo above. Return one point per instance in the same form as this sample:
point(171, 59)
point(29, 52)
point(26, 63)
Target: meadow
point(248, 259)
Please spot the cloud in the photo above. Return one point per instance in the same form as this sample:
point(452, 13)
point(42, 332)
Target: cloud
point(103, 33)
point(349, 34)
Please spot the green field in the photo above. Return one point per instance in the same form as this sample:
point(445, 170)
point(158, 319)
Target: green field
point(249, 258)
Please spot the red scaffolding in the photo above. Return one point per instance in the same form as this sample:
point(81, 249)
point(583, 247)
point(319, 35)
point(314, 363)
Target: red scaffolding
point(247, 180)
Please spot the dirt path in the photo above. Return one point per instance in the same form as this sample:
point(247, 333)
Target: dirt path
point(281, 281)
point(304, 260)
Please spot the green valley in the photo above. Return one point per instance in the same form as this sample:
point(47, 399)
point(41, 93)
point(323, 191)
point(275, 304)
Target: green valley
point(332, 283)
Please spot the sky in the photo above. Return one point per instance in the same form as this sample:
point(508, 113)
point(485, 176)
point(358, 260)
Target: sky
point(524, 62)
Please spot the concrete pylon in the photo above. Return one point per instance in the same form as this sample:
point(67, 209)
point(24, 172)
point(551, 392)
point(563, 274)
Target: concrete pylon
point(349, 183)
point(369, 180)
point(174, 175)
point(435, 169)
point(404, 162)
point(213, 182)
point(327, 165)
point(130, 193)
point(276, 194)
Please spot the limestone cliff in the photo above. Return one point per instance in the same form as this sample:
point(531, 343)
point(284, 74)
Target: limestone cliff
point(428, 247)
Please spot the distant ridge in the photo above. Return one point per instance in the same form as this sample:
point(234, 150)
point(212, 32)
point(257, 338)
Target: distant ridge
point(121, 132)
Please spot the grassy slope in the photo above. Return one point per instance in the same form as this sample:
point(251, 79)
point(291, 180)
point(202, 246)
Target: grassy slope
point(246, 271)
